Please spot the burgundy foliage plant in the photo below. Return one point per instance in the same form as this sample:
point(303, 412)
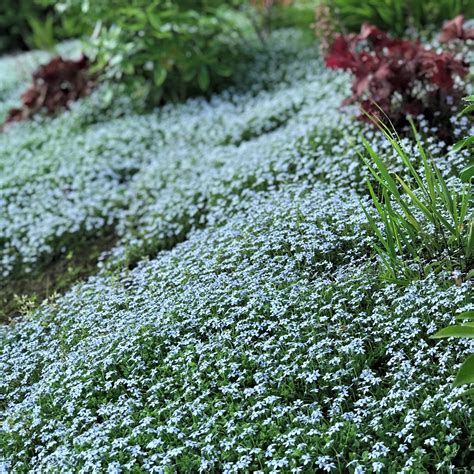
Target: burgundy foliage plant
point(55, 86)
point(396, 77)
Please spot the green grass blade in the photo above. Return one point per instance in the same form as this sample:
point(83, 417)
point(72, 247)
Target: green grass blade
point(387, 181)
point(470, 239)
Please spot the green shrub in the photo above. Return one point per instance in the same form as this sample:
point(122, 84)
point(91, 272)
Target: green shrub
point(398, 15)
point(163, 48)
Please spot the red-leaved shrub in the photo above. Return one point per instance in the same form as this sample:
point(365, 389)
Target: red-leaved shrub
point(398, 77)
point(55, 86)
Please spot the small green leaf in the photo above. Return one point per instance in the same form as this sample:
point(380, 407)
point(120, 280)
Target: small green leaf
point(203, 78)
point(455, 331)
point(467, 173)
point(154, 16)
point(463, 143)
point(466, 372)
point(470, 240)
point(466, 315)
point(224, 71)
point(129, 68)
point(468, 109)
point(159, 75)
point(108, 96)
point(188, 74)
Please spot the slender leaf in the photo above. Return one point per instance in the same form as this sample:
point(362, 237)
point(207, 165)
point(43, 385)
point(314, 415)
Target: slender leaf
point(468, 172)
point(159, 75)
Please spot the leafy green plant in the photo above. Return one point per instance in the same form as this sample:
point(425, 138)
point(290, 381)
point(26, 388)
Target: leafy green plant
point(465, 330)
point(162, 48)
point(422, 217)
point(297, 14)
point(42, 34)
point(398, 15)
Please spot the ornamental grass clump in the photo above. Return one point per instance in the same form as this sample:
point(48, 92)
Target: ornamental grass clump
point(422, 216)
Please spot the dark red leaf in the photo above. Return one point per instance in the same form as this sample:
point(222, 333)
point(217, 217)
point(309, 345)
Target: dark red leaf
point(340, 57)
point(55, 86)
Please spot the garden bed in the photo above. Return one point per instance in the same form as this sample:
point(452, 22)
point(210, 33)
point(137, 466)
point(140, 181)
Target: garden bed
point(238, 320)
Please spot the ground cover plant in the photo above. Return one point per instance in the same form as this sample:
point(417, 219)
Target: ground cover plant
point(239, 318)
point(466, 371)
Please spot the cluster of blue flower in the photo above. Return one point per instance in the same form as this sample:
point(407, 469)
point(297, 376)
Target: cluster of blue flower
point(253, 333)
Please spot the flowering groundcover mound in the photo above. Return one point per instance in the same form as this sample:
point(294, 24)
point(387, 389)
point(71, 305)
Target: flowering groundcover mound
point(240, 323)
